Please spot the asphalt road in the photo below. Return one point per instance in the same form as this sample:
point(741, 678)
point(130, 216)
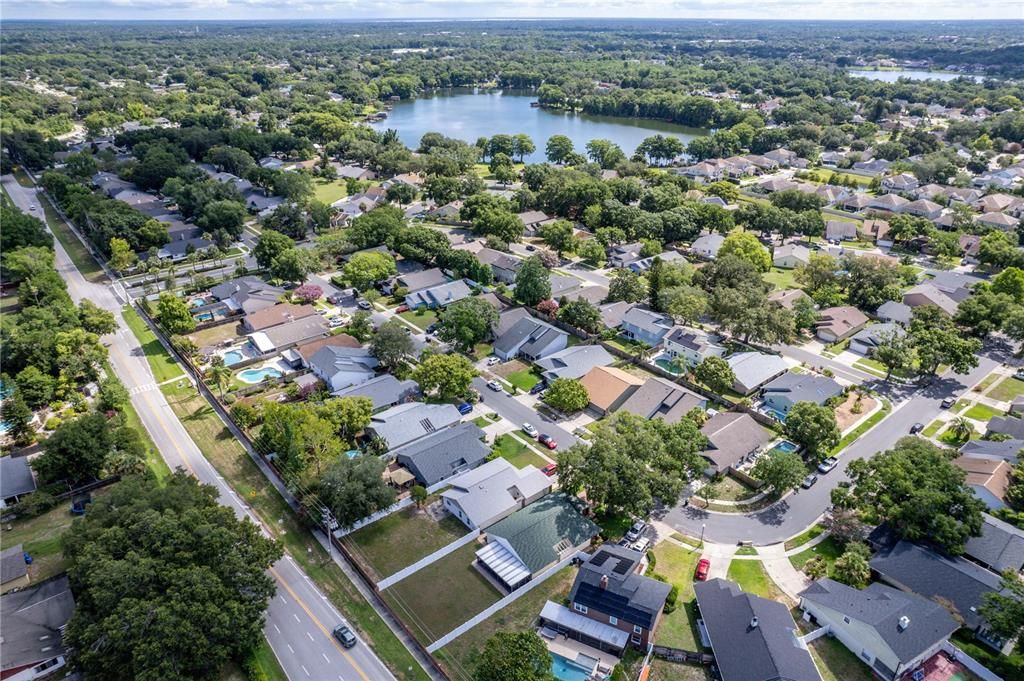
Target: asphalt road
point(299, 619)
point(518, 413)
point(801, 509)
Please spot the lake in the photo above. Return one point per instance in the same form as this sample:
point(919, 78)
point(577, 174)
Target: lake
point(468, 115)
point(893, 76)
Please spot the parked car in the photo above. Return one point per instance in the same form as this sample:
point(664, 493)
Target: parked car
point(531, 247)
point(432, 328)
point(828, 464)
point(335, 322)
point(809, 481)
point(402, 308)
point(1019, 374)
point(948, 402)
point(548, 441)
point(363, 304)
point(916, 428)
point(703, 566)
point(530, 430)
point(538, 388)
point(634, 532)
point(642, 545)
point(344, 635)
point(495, 386)
point(464, 408)
point(550, 469)
point(492, 360)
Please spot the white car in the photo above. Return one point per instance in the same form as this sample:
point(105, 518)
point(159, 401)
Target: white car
point(495, 386)
point(530, 430)
point(491, 361)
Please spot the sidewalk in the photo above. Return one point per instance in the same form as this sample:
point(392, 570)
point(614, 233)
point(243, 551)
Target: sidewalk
point(790, 580)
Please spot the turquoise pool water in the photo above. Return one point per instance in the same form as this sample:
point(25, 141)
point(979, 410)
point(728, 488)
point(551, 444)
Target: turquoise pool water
point(667, 366)
point(233, 357)
point(565, 669)
point(257, 375)
point(785, 446)
point(775, 413)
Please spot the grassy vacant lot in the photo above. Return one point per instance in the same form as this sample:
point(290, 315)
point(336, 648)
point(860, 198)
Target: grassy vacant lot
point(231, 461)
point(824, 174)
point(1007, 390)
point(329, 191)
point(401, 539)
point(516, 452)
point(752, 578)
point(982, 412)
point(864, 427)
point(420, 318)
point(829, 548)
point(781, 278)
point(459, 657)
point(804, 537)
point(677, 565)
point(163, 366)
point(442, 595)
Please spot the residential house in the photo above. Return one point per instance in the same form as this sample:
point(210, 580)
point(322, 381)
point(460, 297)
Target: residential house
point(1009, 450)
point(732, 438)
point(705, 171)
point(13, 569)
point(999, 221)
point(417, 281)
point(644, 264)
point(609, 387)
point(659, 398)
point(958, 581)
point(611, 605)
point(411, 421)
point(791, 256)
point(904, 182)
point(531, 338)
point(574, 362)
point(831, 194)
point(790, 388)
point(613, 313)
point(839, 323)
point(594, 295)
point(923, 208)
point(384, 391)
point(442, 454)
point(865, 341)
point(707, 246)
point(892, 631)
point(493, 491)
point(414, 180)
point(307, 349)
point(893, 311)
point(247, 294)
point(562, 284)
point(32, 623)
point(929, 294)
point(751, 637)
point(784, 157)
point(16, 479)
point(646, 326)
point(256, 201)
point(840, 230)
point(341, 367)
point(770, 185)
point(693, 346)
point(875, 166)
point(876, 231)
point(754, 369)
point(281, 313)
point(857, 203)
point(288, 335)
point(527, 542)
point(624, 254)
point(970, 244)
point(999, 548)
point(995, 203)
point(439, 296)
point(533, 220)
point(892, 203)
point(355, 172)
point(787, 298)
point(988, 478)
point(503, 266)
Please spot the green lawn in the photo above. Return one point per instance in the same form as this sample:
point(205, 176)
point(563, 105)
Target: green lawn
point(752, 578)
point(986, 382)
point(781, 278)
point(982, 412)
point(524, 380)
point(459, 657)
point(804, 537)
point(77, 251)
point(825, 173)
point(829, 548)
point(40, 536)
point(731, 489)
point(1007, 390)
point(160, 361)
point(420, 318)
point(329, 191)
point(933, 428)
point(677, 565)
point(401, 539)
point(746, 551)
point(441, 596)
point(513, 450)
point(232, 462)
point(663, 670)
point(837, 663)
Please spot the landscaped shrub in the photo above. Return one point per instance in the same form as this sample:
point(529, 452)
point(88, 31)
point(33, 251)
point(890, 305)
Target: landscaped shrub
point(670, 601)
point(52, 423)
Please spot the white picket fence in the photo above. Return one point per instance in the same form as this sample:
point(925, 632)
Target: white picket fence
point(976, 668)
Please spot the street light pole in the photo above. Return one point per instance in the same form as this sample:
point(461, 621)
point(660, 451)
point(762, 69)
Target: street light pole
point(702, 526)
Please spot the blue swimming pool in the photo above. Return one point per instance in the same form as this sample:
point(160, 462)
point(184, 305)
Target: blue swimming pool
point(204, 317)
point(258, 375)
point(775, 413)
point(785, 446)
point(564, 669)
point(233, 357)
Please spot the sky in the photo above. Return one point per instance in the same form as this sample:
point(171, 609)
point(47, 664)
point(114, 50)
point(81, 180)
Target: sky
point(914, 10)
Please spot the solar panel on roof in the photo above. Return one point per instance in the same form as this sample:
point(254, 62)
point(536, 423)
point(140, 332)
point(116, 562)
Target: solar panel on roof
point(622, 568)
point(600, 558)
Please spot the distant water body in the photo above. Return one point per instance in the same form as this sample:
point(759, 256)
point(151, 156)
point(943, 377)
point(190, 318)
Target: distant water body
point(468, 114)
point(893, 76)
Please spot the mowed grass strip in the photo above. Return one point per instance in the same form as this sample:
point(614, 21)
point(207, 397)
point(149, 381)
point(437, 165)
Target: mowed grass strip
point(160, 361)
point(402, 538)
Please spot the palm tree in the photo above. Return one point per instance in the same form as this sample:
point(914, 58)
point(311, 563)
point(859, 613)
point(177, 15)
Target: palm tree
point(642, 351)
point(962, 428)
point(221, 375)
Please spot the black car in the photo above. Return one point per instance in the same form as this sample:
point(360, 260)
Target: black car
point(344, 636)
point(809, 481)
point(537, 388)
point(916, 428)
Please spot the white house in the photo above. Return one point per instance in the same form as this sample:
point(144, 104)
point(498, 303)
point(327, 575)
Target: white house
point(483, 496)
point(340, 367)
point(692, 345)
point(791, 256)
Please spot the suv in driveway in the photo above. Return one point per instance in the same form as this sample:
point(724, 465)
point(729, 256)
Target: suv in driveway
point(636, 531)
point(344, 636)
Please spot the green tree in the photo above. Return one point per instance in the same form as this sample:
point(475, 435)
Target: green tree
point(77, 451)
point(727, 191)
point(220, 374)
point(917, 489)
point(813, 427)
point(559, 235)
point(582, 314)
point(895, 351)
point(18, 418)
point(355, 488)
point(514, 656)
point(360, 326)
point(627, 286)
point(392, 345)
point(852, 567)
point(121, 255)
point(1003, 610)
point(558, 148)
point(95, 319)
point(467, 322)
point(270, 245)
point(533, 283)
point(782, 471)
point(226, 215)
point(447, 376)
point(363, 270)
point(745, 245)
point(567, 395)
point(592, 251)
point(350, 415)
point(716, 374)
point(522, 146)
point(685, 303)
point(419, 494)
point(937, 341)
point(181, 537)
point(34, 387)
point(173, 314)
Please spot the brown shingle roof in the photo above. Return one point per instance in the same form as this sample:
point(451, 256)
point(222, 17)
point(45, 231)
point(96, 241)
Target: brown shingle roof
point(605, 385)
point(278, 314)
point(342, 340)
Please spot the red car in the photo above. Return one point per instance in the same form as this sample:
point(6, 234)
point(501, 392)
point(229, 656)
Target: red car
point(401, 308)
point(548, 441)
point(550, 469)
point(703, 565)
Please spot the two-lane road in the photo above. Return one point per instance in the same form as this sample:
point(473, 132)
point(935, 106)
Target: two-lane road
point(518, 413)
point(299, 619)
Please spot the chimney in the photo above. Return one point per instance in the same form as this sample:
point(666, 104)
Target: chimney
point(753, 622)
point(604, 582)
point(904, 622)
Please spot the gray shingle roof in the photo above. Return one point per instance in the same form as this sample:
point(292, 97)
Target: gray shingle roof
point(495, 488)
point(1008, 425)
point(894, 311)
point(576, 361)
point(873, 335)
point(753, 369)
point(527, 327)
point(410, 421)
point(424, 279)
point(732, 436)
point(1000, 546)
point(383, 391)
point(12, 564)
point(804, 388)
point(880, 607)
point(769, 651)
point(331, 359)
point(1007, 449)
point(443, 453)
point(659, 398)
point(439, 296)
point(31, 621)
point(538, 532)
point(648, 321)
point(628, 596)
point(15, 476)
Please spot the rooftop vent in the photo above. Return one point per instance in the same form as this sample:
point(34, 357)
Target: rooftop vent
point(904, 622)
point(753, 622)
point(604, 581)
